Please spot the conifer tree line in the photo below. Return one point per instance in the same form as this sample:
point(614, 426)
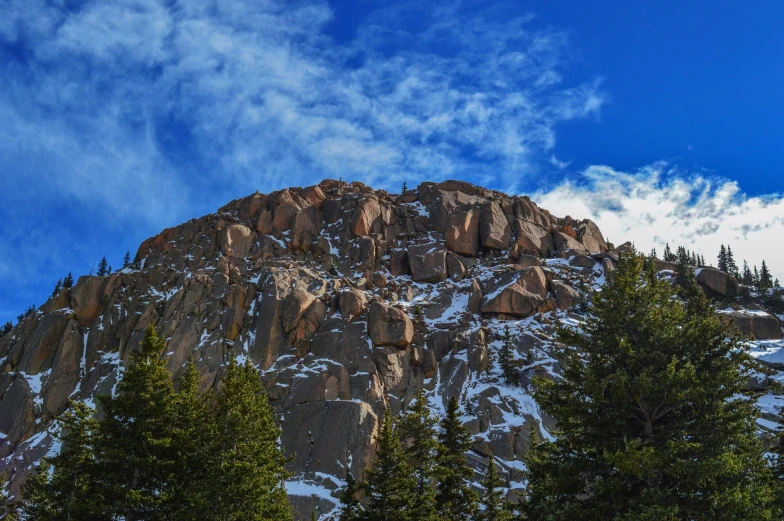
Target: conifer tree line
point(682, 256)
point(163, 451)
point(421, 472)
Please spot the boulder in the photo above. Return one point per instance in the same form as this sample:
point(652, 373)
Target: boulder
point(87, 299)
point(519, 295)
point(717, 282)
point(388, 326)
point(757, 325)
point(364, 217)
point(565, 295)
point(330, 437)
point(66, 371)
point(582, 261)
point(608, 266)
point(294, 307)
point(454, 267)
point(40, 348)
point(494, 230)
point(236, 240)
point(532, 239)
point(427, 262)
point(564, 243)
point(462, 233)
point(527, 261)
point(591, 236)
point(398, 263)
point(352, 303)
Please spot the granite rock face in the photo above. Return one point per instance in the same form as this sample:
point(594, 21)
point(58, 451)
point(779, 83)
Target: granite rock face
point(349, 301)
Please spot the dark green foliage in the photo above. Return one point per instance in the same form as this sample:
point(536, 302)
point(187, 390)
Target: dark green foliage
point(455, 500)
point(103, 267)
point(404, 188)
point(126, 259)
point(350, 508)
point(652, 422)
point(668, 255)
point(246, 475)
point(765, 279)
point(390, 483)
point(29, 311)
point(136, 444)
point(57, 287)
point(722, 265)
point(493, 502)
point(6, 328)
point(417, 432)
point(64, 487)
point(68, 281)
point(9, 509)
point(190, 415)
point(506, 359)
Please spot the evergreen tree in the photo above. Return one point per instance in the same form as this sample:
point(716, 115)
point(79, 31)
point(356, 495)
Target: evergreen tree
point(64, 487)
point(652, 422)
point(6, 328)
point(404, 188)
point(187, 499)
point(417, 432)
point(350, 508)
point(103, 267)
point(127, 259)
point(668, 255)
point(723, 258)
point(390, 484)
point(755, 279)
point(765, 279)
point(455, 499)
point(57, 287)
point(135, 448)
point(9, 510)
point(732, 268)
point(68, 281)
point(247, 475)
point(506, 359)
point(493, 503)
point(747, 279)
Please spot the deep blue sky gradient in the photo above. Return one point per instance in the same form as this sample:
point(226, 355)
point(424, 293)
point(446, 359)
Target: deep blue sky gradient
point(697, 84)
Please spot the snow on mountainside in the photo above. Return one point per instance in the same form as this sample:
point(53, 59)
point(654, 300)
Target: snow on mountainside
point(349, 301)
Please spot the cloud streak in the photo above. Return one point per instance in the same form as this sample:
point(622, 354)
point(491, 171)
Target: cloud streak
point(660, 204)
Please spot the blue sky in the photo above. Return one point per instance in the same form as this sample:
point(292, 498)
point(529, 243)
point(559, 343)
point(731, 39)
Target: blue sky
point(118, 119)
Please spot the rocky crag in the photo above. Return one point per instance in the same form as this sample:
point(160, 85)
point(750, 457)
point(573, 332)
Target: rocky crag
point(349, 301)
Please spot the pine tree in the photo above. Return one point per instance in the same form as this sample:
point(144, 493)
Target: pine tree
point(68, 281)
point(189, 440)
point(723, 258)
point(6, 328)
point(65, 486)
point(350, 508)
point(455, 499)
point(246, 463)
point(417, 432)
point(9, 509)
point(404, 188)
point(668, 255)
point(493, 503)
point(732, 268)
point(57, 287)
point(103, 267)
point(135, 447)
point(652, 422)
point(390, 484)
point(127, 259)
point(765, 279)
point(506, 359)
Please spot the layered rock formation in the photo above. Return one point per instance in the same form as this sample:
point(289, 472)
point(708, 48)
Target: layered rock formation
point(348, 300)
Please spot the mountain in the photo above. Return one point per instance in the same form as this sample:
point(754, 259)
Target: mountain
point(349, 301)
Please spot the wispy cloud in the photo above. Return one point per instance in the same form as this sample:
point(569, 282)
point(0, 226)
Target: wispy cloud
point(661, 204)
point(143, 113)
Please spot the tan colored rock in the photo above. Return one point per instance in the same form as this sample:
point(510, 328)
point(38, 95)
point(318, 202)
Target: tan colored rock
point(388, 326)
point(608, 267)
point(494, 230)
point(236, 240)
point(454, 267)
point(40, 348)
point(716, 281)
point(286, 211)
point(330, 437)
point(591, 237)
point(564, 243)
point(528, 261)
point(520, 296)
point(583, 261)
point(392, 365)
point(66, 371)
point(427, 262)
point(475, 298)
point(565, 295)
point(352, 303)
point(364, 217)
point(756, 325)
point(294, 307)
point(462, 233)
point(87, 299)
point(264, 223)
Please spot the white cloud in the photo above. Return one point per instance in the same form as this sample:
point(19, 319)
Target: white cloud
point(661, 204)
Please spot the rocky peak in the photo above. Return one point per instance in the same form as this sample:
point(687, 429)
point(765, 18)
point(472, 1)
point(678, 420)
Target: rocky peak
point(349, 300)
